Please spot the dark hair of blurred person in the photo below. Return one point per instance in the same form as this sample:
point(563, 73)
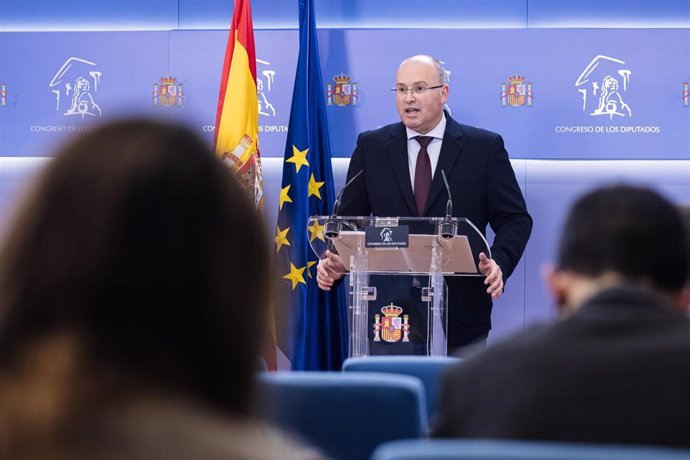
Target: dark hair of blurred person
point(685, 214)
point(631, 233)
point(134, 285)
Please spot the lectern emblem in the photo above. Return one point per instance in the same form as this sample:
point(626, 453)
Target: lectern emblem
point(386, 235)
point(391, 327)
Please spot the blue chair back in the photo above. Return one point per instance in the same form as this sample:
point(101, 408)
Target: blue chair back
point(345, 415)
point(429, 369)
point(448, 449)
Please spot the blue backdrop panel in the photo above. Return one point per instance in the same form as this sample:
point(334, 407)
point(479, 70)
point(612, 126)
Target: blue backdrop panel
point(609, 13)
point(61, 83)
point(568, 93)
point(217, 14)
point(88, 14)
point(272, 14)
point(197, 58)
point(648, 66)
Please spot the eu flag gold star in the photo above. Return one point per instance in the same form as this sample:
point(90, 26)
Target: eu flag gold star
point(281, 238)
point(314, 187)
point(309, 265)
point(315, 231)
point(296, 275)
point(284, 197)
point(299, 157)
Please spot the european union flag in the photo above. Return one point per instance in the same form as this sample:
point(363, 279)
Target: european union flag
point(317, 320)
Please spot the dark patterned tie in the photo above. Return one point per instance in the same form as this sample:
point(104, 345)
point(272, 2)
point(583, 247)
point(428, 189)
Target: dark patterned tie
point(422, 175)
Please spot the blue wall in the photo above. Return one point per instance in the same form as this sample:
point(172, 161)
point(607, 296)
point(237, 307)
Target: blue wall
point(559, 146)
point(281, 14)
point(556, 120)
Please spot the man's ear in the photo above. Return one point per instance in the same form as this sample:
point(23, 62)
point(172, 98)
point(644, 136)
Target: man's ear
point(445, 91)
point(557, 283)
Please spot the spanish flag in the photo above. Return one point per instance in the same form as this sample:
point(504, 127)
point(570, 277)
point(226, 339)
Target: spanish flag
point(236, 138)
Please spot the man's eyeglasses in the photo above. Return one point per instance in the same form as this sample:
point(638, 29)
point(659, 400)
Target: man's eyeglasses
point(416, 90)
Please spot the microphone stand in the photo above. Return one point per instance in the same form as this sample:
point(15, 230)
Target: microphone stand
point(448, 227)
point(334, 224)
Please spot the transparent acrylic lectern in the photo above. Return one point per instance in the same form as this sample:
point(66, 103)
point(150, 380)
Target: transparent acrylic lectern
point(398, 298)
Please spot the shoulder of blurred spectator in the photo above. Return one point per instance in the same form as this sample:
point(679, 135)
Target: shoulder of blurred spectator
point(177, 429)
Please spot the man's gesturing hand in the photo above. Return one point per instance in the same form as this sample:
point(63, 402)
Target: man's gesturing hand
point(494, 276)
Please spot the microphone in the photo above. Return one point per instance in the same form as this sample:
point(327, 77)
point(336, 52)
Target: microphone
point(448, 228)
point(332, 226)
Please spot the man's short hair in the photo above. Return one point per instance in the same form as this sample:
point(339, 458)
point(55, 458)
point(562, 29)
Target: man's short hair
point(632, 231)
point(438, 66)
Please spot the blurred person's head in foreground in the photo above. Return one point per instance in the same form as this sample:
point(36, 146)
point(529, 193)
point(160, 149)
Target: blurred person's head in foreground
point(616, 236)
point(685, 214)
point(135, 266)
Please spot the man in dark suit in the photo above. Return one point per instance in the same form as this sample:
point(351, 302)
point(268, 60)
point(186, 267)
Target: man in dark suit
point(402, 165)
point(615, 368)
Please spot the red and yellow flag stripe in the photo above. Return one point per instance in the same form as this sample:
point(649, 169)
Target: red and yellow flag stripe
point(236, 137)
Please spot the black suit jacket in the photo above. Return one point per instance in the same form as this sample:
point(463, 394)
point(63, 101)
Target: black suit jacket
point(616, 371)
point(483, 188)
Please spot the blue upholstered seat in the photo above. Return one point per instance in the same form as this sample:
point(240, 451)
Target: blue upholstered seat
point(428, 369)
point(447, 449)
point(346, 415)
